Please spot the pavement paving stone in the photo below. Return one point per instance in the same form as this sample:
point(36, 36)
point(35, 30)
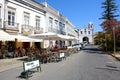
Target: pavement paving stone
point(6, 64)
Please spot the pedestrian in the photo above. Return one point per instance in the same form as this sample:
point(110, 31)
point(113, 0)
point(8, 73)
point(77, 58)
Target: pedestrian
point(23, 51)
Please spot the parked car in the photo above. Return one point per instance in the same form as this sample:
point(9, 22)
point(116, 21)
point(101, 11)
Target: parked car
point(82, 46)
point(78, 46)
point(85, 43)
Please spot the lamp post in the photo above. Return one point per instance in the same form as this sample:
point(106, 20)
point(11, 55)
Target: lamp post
point(114, 40)
point(105, 41)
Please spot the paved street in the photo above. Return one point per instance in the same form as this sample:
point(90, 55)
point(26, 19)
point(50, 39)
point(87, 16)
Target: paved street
point(88, 64)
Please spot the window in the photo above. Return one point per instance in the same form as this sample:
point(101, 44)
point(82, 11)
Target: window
point(11, 18)
point(81, 32)
point(56, 24)
point(50, 22)
point(88, 32)
point(60, 26)
point(26, 18)
point(37, 22)
point(63, 28)
point(85, 31)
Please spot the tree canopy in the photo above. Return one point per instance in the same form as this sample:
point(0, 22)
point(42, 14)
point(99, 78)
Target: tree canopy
point(109, 10)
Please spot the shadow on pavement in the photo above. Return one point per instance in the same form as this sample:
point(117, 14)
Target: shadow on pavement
point(109, 69)
point(93, 50)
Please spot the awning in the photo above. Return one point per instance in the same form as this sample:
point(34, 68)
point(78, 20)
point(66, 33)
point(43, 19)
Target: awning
point(4, 36)
point(71, 38)
point(21, 38)
point(48, 36)
point(52, 36)
point(65, 37)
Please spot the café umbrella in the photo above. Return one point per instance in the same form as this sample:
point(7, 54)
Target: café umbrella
point(4, 36)
point(51, 36)
point(21, 38)
point(47, 36)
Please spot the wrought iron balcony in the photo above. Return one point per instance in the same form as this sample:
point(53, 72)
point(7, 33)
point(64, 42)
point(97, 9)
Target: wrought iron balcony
point(63, 32)
point(27, 29)
point(53, 30)
point(57, 31)
point(38, 30)
point(11, 26)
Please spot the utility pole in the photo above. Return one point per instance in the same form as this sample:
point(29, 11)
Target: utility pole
point(114, 40)
point(105, 40)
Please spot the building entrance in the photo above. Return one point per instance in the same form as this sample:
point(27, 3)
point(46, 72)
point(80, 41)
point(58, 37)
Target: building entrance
point(85, 39)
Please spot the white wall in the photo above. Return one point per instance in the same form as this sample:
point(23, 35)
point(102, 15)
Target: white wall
point(89, 36)
point(20, 9)
point(2, 11)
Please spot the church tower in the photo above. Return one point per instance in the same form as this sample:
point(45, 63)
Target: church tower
point(86, 33)
point(90, 25)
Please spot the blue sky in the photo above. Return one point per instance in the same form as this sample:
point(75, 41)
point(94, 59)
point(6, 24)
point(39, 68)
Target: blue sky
point(80, 12)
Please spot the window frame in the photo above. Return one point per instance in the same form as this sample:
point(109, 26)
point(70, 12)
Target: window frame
point(37, 22)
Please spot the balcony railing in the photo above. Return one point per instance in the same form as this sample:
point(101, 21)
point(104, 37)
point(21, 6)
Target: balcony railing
point(11, 26)
point(53, 30)
point(38, 30)
point(27, 29)
point(63, 32)
point(56, 31)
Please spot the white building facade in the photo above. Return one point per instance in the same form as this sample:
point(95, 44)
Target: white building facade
point(70, 31)
point(22, 17)
point(59, 24)
point(26, 17)
point(86, 34)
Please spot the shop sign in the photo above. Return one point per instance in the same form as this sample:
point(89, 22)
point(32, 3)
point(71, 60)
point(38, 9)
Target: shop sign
point(31, 65)
point(62, 55)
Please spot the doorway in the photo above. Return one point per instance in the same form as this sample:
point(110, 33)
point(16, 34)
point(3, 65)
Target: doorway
point(85, 39)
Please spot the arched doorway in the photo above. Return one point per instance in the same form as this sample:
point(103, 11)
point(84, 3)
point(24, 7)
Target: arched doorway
point(85, 39)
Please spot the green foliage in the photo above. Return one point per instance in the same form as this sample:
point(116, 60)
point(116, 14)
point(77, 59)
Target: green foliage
point(109, 10)
point(99, 38)
point(109, 16)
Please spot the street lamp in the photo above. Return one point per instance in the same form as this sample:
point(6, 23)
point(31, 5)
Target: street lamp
point(114, 40)
point(105, 40)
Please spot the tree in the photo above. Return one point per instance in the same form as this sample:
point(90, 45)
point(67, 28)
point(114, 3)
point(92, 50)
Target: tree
point(110, 8)
point(99, 38)
point(109, 16)
point(110, 28)
point(117, 34)
point(109, 24)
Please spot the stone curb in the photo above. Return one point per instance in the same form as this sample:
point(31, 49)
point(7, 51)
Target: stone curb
point(117, 58)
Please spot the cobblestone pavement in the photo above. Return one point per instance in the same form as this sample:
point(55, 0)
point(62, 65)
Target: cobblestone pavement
point(88, 64)
point(6, 64)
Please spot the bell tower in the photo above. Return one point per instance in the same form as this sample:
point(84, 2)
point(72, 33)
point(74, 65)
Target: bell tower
point(90, 25)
